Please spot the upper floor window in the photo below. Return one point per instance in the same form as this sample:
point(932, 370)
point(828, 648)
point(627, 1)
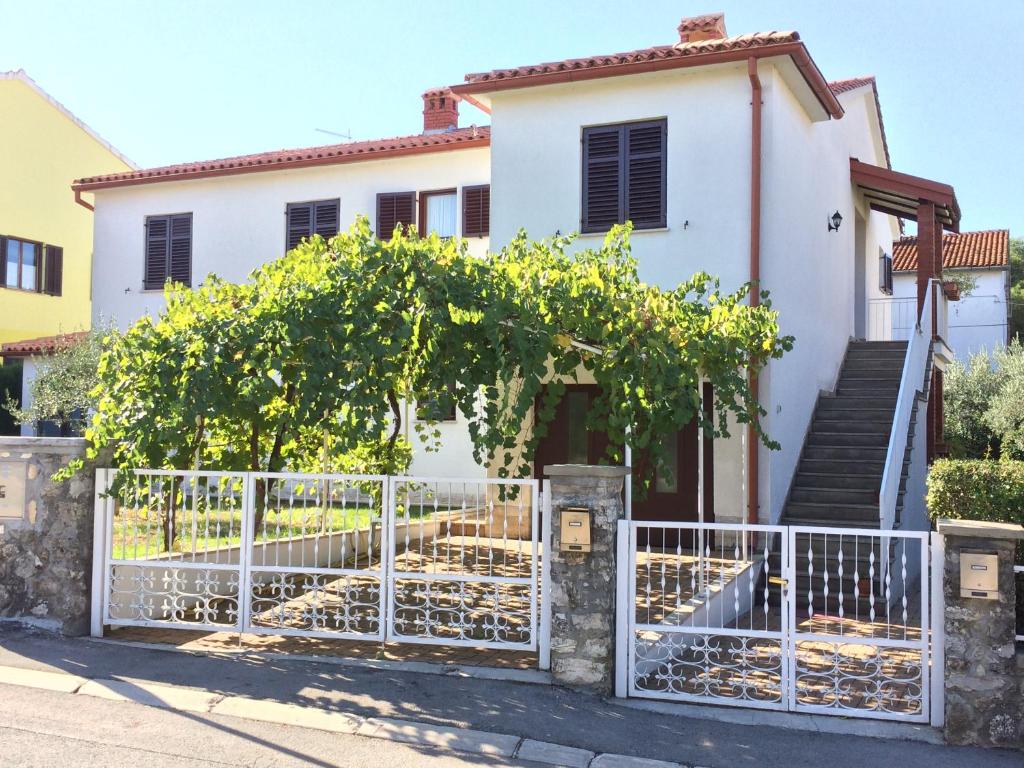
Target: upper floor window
point(319, 217)
point(885, 272)
point(31, 266)
point(476, 211)
point(168, 250)
point(394, 208)
point(624, 176)
point(438, 212)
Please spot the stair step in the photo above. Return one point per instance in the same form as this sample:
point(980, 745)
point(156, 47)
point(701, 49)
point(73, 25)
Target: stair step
point(874, 361)
point(877, 345)
point(856, 372)
point(860, 402)
point(845, 452)
point(827, 480)
point(831, 423)
point(833, 495)
point(847, 439)
point(853, 514)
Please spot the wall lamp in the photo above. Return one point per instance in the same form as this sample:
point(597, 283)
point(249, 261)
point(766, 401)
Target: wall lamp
point(834, 221)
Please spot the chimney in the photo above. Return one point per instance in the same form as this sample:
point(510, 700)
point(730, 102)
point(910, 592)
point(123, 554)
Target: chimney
point(710, 26)
point(440, 111)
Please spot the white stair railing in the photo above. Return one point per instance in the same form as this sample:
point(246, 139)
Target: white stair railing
point(914, 366)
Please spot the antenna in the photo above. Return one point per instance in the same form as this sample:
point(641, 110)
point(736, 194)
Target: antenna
point(335, 133)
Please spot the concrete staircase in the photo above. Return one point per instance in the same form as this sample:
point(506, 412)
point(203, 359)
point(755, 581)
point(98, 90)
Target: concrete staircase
point(840, 470)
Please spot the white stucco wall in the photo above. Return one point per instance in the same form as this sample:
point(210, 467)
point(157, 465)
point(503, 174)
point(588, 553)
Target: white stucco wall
point(808, 269)
point(239, 221)
point(979, 320)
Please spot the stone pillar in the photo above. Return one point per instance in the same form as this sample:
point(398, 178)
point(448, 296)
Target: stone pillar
point(583, 583)
point(982, 694)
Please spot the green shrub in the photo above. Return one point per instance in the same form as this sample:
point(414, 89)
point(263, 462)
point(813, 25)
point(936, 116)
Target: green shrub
point(977, 489)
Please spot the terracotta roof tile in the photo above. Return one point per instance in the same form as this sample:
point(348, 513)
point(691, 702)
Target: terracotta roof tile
point(843, 86)
point(42, 346)
point(967, 250)
point(679, 50)
point(332, 154)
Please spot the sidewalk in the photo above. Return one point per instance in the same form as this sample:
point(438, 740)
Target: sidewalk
point(509, 712)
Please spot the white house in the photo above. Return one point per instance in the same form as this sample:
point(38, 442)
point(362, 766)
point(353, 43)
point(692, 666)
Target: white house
point(979, 321)
point(730, 154)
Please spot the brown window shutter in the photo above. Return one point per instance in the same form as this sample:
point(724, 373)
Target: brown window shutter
point(326, 217)
point(645, 174)
point(53, 270)
point(394, 208)
point(3, 262)
point(476, 211)
point(603, 191)
point(180, 261)
point(157, 244)
point(300, 223)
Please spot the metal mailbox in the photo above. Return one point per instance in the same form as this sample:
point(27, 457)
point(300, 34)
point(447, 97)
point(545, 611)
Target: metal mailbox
point(979, 575)
point(575, 529)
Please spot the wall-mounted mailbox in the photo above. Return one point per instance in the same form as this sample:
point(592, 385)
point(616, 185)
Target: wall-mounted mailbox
point(575, 529)
point(979, 575)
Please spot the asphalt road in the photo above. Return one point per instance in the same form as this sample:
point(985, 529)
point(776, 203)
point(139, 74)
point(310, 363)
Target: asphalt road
point(41, 729)
point(542, 712)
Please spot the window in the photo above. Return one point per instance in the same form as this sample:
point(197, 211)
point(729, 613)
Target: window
point(441, 408)
point(394, 208)
point(437, 212)
point(624, 176)
point(476, 211)
point(30, 266)
point(320, 217)
point(884, 272)
point(168, 250)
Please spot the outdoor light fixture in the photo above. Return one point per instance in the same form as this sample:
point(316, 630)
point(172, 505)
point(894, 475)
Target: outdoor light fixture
point(834, 221)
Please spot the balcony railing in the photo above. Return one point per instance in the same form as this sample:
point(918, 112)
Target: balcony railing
point(892, 319)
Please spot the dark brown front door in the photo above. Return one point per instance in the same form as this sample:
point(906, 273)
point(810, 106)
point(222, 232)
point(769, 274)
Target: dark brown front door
point(672, 495)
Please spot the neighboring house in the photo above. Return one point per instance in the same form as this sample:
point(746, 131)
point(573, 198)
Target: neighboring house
point(980, 319)
point(45, 238)
point(731, 155)
point(32, 352)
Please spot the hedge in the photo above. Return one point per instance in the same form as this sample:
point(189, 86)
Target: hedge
point(977, 489)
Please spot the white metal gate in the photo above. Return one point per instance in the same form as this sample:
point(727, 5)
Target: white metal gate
point(822, 620)
point(410, 559)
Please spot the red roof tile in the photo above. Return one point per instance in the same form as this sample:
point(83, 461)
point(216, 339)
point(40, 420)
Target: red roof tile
point(333, 154)
point(42, 346)
point(843, 86)
point(681, 54)
point(966, 250)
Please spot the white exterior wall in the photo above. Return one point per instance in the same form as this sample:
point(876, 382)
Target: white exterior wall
point(808, 269)
point(978, 321)
point(536, 183)
point(239, 223)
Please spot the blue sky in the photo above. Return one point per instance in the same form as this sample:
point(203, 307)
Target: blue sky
point(188, 80)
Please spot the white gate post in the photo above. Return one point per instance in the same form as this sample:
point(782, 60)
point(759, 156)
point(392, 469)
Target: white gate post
point(545, 579)
point(623, 610)
point(931, 578)
point(99, 554)
point(245, 552)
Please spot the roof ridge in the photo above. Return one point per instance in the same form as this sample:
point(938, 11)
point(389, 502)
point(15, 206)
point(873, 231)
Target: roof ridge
point(298, 156)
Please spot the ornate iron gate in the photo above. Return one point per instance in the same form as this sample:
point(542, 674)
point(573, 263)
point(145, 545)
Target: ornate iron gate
point(822, 620)
point(409, 559)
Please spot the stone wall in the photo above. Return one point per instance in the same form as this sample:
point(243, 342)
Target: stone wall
point(46, 549)
point(983, 688)
point(583, 583)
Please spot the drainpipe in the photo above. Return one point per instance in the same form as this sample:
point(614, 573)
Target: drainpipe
point(755, 271)
point(81, 202)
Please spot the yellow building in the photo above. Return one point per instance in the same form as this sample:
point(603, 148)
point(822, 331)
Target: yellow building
point(45, 237)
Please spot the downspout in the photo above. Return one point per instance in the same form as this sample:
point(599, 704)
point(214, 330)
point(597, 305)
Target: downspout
point(755, 274)
point(81, 202)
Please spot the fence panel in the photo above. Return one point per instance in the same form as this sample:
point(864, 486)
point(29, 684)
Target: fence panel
point(315, 563)
point(708, 619)
point(464, 560)
point(173, 548)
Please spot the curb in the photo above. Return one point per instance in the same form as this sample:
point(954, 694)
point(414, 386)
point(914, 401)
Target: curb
point(457, 740)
